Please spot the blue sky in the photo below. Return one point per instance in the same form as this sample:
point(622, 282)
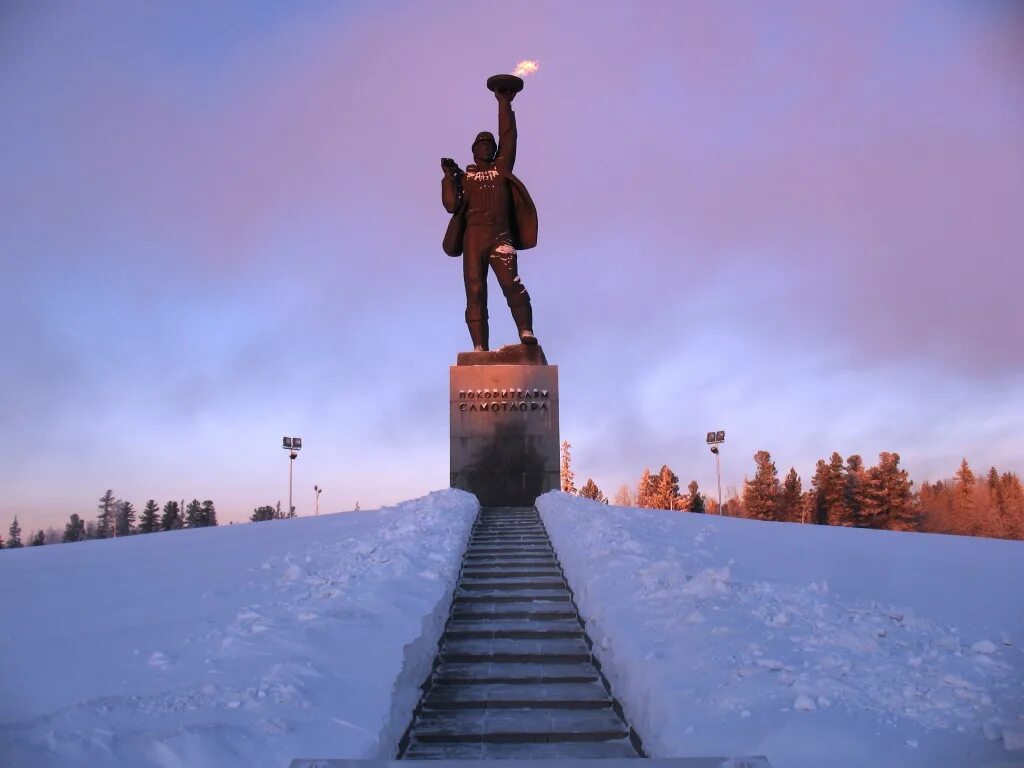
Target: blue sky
point(799, 224)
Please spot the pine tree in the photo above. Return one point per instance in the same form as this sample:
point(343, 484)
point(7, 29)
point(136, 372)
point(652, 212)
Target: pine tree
point(892, 499)
point(829, 486)
point(105, 519)
point(14, 535)
point(646, 489)
point(125, 518)
point(566, 470)
point(39, 539)
point(262, 513)
point(963, 499)
point(149, 522)
point(208, 514)
point(761, 495)
point(1, 542)
point(171, 518)
point(666, 489)
point(591, 491)
point(695, 502)
point(1013, 501)
point(858, 497)
point(623, 497)
point(74, 530)
point(193, 514)
point(791, 498)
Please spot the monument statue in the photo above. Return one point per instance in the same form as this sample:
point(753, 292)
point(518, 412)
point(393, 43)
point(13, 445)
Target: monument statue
point(493, 217)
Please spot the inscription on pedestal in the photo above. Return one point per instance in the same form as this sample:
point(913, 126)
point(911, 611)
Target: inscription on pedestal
point(504, 432)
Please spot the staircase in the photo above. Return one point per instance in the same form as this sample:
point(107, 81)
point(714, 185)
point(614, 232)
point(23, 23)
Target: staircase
point(514, 676)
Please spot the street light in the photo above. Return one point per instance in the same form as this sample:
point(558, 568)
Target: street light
point(714, 440)
point(293, 445)
point(318, 490)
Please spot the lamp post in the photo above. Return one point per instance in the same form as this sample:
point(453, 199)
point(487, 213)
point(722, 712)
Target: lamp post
point(293, 445)
point(317, 490)
point(714, 440)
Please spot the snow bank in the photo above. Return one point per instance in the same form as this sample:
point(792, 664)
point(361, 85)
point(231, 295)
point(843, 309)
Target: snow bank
point(810, 645)
point(244, 645)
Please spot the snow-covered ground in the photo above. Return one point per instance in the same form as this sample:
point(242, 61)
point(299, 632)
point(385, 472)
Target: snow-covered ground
point(244, 645)
point(814, 646)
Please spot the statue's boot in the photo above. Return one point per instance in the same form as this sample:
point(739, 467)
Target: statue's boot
point(523, 315)
point(478, 333)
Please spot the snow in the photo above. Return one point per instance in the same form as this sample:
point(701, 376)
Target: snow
point(245, 645)
point(807, 644)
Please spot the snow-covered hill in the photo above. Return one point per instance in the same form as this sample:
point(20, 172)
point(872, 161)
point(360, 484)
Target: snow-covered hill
point(251, 645)
point(814, 646)
point(244, 645)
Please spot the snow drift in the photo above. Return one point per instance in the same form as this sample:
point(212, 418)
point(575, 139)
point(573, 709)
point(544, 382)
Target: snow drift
point(244, 645)
point(810, 645)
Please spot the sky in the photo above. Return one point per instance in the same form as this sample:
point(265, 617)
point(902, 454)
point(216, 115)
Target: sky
point(800, 223)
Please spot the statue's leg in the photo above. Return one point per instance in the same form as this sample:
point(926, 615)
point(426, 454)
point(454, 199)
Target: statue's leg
point(505, 263)
point(474, 273)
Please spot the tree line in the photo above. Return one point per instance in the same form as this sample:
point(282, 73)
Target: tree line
point(117, 517)
point(843, 492)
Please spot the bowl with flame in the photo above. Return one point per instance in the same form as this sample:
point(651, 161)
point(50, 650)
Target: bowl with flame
point(509, 83)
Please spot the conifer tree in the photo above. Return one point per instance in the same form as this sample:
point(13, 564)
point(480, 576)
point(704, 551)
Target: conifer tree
point(149, 521)
point(829, 486)
point(591, 491)
point(14, 535)
point(39, 539)
point(623, 497)
point(1013, 502)
point(193, 514)
point(695, 501)
point(859, 501)
point(105, 519)
point(171, 518)
point(791, 498)
point(1, 542)
point(262, 513)
point(666, 489)
point(892, 498)
point(567, 476)
point(74, 530)
point(125, 518)
point(963, 499)
point(646, 489)
point(761, 494)
point(208, 514)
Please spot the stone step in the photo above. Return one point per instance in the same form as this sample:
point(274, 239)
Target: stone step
point(537, 561)
point(513, 628)
point(512, 596)
point(510, 582)
point(518, 696)
point(512, 559)
point(519, 725)
point(511, 549)
point(535, 610)
point(509, 539)
point(496, 673)
point(477, 573)
point(546, 650)
point(538, 750)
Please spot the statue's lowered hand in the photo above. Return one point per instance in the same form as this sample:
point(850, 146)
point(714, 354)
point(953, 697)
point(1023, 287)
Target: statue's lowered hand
point(448, 165)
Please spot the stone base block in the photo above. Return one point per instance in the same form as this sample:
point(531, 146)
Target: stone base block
point(504, 432)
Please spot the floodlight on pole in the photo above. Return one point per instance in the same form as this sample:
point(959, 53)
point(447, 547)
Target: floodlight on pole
point(317, 490)
point(293, 445)
point(715, 439)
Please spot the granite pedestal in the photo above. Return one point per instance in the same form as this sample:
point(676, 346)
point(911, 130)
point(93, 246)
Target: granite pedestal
point(504, 425)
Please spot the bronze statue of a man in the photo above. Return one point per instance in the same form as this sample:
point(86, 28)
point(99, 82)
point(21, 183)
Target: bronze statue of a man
point(492, 217)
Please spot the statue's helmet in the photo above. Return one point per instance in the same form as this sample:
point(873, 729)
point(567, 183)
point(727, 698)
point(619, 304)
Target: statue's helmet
point(485, 136)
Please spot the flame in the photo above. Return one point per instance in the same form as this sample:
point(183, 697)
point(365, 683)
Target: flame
point(526, 67)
